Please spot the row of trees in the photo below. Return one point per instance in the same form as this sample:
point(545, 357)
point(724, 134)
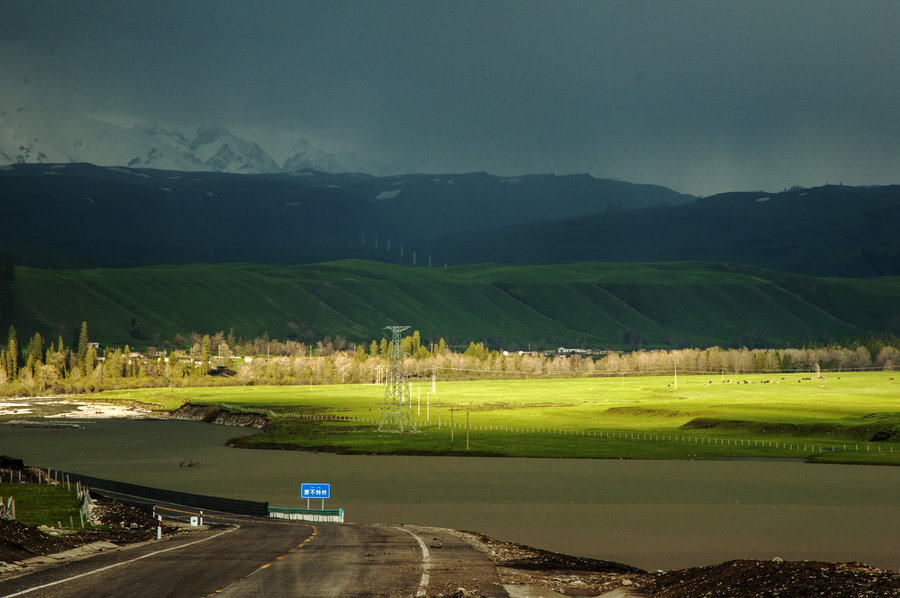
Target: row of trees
point(38, 368)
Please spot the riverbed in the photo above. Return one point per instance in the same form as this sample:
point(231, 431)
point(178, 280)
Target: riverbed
point(650, 514)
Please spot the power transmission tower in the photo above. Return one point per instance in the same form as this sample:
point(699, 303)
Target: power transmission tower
point(396, 408)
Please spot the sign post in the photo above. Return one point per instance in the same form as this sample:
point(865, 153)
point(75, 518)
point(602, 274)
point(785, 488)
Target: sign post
point(315, 490)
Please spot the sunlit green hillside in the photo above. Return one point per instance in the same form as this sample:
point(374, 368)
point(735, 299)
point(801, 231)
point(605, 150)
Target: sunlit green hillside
point(591, 305)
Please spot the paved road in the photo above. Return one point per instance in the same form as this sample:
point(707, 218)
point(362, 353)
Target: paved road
point(257, 557)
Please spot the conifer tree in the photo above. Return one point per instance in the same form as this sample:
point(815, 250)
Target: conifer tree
point(29, 366)
point(60, 358)
point(82, 342)
point(126, 362)
point(114, 364)
point(36, 348)
point(90, 360)
point(204, 354)
point(12, 354)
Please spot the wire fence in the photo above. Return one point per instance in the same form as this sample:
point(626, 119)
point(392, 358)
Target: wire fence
point(651, 371)
point(800, 447)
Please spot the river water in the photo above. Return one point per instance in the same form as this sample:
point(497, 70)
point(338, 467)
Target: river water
point(650, 514)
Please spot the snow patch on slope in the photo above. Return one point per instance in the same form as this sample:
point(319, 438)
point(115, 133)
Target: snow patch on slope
point(389, 194)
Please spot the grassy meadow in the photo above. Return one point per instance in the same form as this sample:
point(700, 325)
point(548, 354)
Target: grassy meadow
point(841, 417)
point(43, 504)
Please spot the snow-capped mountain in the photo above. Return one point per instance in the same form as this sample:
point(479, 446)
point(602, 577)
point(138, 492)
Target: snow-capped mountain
point(302, 155)
point(48, 135)
point(211, 148)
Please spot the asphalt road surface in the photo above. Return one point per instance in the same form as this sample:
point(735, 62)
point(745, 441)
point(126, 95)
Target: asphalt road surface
point(250, 557)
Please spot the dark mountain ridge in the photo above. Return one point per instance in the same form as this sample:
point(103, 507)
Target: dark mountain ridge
point(93, 215)
point(823, 231)
point(79, 215)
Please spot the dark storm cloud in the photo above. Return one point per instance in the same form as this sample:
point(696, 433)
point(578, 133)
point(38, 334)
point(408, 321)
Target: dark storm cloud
point(700, 96)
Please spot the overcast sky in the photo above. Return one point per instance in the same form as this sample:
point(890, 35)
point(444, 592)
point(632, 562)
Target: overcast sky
point(700, 96)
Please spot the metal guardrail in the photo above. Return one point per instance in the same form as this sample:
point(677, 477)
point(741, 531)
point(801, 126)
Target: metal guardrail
point(199, 501)
point(336, 515)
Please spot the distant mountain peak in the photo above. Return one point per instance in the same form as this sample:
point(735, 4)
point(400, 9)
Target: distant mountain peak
point(52, 134)
point(208, 134)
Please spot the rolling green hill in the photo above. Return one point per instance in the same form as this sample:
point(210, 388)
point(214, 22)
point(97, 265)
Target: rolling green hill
point(589, 304)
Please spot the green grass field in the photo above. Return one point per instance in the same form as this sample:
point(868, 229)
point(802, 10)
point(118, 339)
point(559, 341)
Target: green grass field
point(847, 417)
point(43, 504)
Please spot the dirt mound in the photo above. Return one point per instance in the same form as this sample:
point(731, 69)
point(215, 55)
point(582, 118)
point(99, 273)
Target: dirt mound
point(641, 411)
point(746, 579)
point(212, 414)
point(763, 427)
point(528, 567)
point(517, 556)
point(19, 541)
point(120, 525)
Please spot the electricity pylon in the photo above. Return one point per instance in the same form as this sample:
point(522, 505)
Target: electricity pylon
point(396, 408)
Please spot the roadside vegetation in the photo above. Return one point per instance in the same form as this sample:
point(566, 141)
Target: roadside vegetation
point(43, 504)
point(847, 417)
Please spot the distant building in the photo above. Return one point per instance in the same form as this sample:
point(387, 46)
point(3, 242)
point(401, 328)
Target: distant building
point(582, 352)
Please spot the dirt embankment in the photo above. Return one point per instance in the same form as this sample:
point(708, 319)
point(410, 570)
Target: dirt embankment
point(213, 414)
point(538, 572)
point(118, 524)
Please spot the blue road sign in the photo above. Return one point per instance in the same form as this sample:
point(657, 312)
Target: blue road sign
point(315, 490)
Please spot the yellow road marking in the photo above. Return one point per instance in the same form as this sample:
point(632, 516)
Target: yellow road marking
point(314, 533)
